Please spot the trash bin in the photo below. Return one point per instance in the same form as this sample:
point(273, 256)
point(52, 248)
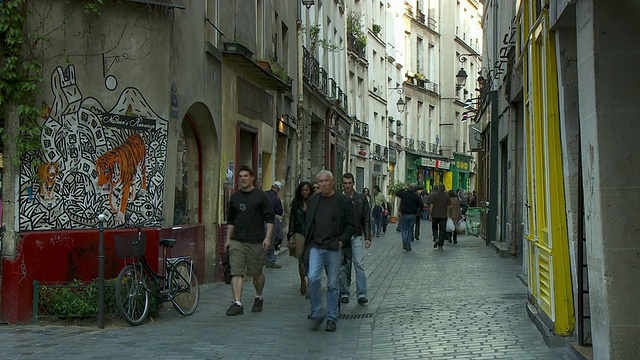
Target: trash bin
point(473, 221)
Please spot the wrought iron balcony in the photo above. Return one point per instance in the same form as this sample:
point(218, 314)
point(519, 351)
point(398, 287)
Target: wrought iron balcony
point(319, 78)
point(420, 18)
point(377, 149)
point(411, 144)
point(385, 153)
point(422, 145)
point(356, 45)
point(408, 9)
point(365, 130)
point(433, 148)
point(357, 128)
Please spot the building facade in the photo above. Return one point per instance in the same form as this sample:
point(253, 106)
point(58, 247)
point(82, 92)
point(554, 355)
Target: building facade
point(134, 128)
point(546, 85)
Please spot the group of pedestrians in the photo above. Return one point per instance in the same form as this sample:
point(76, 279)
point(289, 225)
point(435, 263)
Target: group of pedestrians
point(328, 233)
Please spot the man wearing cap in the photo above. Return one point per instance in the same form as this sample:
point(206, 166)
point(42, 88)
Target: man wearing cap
point(277, 235)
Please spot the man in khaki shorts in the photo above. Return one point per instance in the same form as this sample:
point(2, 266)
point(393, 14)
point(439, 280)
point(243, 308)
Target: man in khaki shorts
point(249, 210)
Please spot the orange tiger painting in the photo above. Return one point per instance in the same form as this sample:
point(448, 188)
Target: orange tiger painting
point(47, 172)
point(118, 167)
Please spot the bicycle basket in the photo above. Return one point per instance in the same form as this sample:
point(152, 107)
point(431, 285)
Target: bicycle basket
point(128, 245)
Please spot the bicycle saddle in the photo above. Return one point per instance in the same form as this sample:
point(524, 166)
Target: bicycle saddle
point(167, 242)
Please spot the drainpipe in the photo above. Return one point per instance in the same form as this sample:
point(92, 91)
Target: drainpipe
point(300, 128)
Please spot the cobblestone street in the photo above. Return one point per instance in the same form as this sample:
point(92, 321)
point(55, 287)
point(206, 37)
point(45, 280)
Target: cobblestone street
point(461, 303)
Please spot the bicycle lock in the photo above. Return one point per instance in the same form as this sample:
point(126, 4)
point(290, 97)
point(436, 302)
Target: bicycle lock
point(101, 219)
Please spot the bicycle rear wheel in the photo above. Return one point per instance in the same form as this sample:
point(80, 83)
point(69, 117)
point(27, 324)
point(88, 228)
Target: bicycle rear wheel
point(132, 298)
point(185, 287)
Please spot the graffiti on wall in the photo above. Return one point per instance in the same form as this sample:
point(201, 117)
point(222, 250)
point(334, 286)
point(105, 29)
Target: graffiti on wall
point(94, 161)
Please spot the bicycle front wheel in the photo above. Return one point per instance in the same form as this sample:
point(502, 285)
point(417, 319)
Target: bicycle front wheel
point(132, 298)
point(185, 288)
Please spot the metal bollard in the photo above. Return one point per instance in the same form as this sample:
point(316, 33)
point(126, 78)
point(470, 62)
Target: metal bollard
point(101, 219)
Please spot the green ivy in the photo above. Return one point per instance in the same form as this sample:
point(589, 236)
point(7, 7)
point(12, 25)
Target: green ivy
point(20, 75)
point(21, 72)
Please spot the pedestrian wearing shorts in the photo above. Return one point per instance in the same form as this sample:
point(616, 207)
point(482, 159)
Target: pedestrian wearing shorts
point(247, 240)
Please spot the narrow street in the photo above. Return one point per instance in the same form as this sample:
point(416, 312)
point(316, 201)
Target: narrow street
point(464, 302)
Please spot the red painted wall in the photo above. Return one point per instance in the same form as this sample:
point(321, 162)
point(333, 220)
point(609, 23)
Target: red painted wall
point(73, 254)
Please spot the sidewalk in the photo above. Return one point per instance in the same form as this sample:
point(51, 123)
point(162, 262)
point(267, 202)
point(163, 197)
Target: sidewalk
point(464, 302)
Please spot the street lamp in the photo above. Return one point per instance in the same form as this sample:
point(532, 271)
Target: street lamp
point(400, 104)
point(308, 3)
point(461, 78)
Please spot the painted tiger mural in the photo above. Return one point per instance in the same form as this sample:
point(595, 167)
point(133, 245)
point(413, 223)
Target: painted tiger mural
point(118, 167)
point(48, 172)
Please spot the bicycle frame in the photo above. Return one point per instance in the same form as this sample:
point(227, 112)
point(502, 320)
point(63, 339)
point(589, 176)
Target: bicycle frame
point(161, 281)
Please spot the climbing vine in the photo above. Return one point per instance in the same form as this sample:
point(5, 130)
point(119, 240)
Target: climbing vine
point(20, 75)
point(21, 72)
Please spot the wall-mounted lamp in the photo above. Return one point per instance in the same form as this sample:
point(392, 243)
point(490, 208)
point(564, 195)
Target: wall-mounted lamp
point(461, 78)
point(308, 3)
point(400, 104)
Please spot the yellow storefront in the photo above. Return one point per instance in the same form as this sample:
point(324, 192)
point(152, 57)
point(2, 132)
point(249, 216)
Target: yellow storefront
point(548, 261)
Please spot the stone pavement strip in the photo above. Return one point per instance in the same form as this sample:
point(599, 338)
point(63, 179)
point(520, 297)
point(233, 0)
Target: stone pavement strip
point(464, 302)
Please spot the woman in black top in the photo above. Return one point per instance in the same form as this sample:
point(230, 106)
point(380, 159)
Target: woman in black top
point(296, 228)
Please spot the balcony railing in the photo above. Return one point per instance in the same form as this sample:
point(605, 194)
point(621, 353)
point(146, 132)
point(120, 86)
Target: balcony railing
point(408, 9)
point(420, 18)
point(411, 144)
point(422, 145)
point(356, 45)
point(433, 148)
point(357, 128)
point(319, 78)
point(365, 130)
point(377, 149)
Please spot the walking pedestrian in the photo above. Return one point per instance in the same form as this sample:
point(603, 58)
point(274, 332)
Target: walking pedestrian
point(464, 201)
point(295, 235)
point(247, 240)
point(329, 227)
point(379, 205)
point(434, 225)
point(361, 240)
point(385, 218)
point(409, 205)
point(277, 234)
point(454, 213)
point(418, 216)
point(438, 210)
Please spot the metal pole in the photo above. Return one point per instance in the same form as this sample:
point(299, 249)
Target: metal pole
point(101, 219)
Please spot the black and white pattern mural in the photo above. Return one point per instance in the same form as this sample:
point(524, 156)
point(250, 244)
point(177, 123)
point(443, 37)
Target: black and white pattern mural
point(94, 160)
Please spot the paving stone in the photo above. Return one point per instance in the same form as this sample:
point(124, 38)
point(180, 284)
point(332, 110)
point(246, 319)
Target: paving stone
point(461, 303)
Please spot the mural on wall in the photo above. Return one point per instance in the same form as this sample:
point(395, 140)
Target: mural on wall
point(94, 161)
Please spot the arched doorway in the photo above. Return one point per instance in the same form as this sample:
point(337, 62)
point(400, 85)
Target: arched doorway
point(197, 179)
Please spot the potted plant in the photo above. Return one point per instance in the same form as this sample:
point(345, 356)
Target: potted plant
point(376, 29)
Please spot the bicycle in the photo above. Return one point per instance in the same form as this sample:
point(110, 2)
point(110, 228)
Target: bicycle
point(176, 283)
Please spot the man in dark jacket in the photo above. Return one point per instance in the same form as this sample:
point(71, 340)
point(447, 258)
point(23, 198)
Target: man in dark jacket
point(438, 210)
point(409, 205)
point(277, 234)
point(329, 227)
point(360, 241)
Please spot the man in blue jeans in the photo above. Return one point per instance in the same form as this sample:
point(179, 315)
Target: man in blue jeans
point(360, 241)
point(329, 227)
point(409, 205)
